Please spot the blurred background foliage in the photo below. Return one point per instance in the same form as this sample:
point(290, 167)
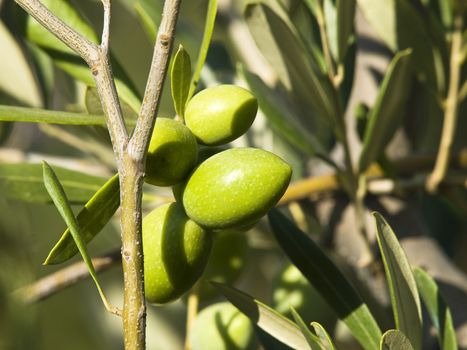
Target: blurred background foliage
point(354, 97)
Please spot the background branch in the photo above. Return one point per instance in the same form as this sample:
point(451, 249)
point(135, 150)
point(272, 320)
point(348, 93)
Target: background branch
point(70, 275)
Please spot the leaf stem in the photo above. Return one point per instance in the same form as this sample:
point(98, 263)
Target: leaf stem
point(450, 111)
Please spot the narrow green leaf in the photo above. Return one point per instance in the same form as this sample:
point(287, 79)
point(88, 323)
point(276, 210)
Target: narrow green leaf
point(36, 115)
point(180, 76)
point(402, 287)
point(395, 340)
point(203, 51)
point(24, 182)
point(324, 337)
point(57, 193)
point(327, 280)
point(439, 312)
point(265, 317)
point(388, 112)
point(312, 340)
point(91, 219)
point(70, 62)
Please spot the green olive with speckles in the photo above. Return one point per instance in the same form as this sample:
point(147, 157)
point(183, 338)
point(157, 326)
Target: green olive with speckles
point(235, 188)
point(220, 114)
point(222, 326)
point(172, 153)
point(176, 251)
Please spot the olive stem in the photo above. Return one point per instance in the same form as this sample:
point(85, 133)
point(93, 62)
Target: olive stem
point(192, 312)
point(450, 110)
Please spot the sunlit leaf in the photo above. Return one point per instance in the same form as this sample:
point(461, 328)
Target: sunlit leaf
point(439, 312)
point(91, 219)
point(402, 287)
point(327, 280)
point(24, 182)
point(180, 76)
point(389, 109)
point(265, 317)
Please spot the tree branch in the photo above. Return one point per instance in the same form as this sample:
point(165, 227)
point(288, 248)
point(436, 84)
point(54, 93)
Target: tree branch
point(140, 140)
point(450, 112)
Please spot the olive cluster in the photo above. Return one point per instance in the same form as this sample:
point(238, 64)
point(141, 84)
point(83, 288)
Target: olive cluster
point(215, 189)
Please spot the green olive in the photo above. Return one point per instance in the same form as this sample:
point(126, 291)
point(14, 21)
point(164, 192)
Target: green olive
point(291, 288)
point(220, 114)
point(203, 154)
point(172, 153)
point(176, 251)
point(226, 263)
point(222, 326)
point(235, 188)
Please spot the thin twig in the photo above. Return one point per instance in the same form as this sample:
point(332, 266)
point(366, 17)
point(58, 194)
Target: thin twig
point(450, 112)
point(106, 28)
point(139, 142)
point(70, 275)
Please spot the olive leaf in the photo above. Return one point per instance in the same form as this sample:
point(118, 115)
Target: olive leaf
point(91, 219)
point(57, 193)
point(203, 51)
point(388, 112)
point(180, 76)
point(312, 339)
point(37, 115)
point(265, 317)
point(321, 272)
point(439, 312)
point(402, 286)
point(395, 340)
point(24, 182)
point(70, 62)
